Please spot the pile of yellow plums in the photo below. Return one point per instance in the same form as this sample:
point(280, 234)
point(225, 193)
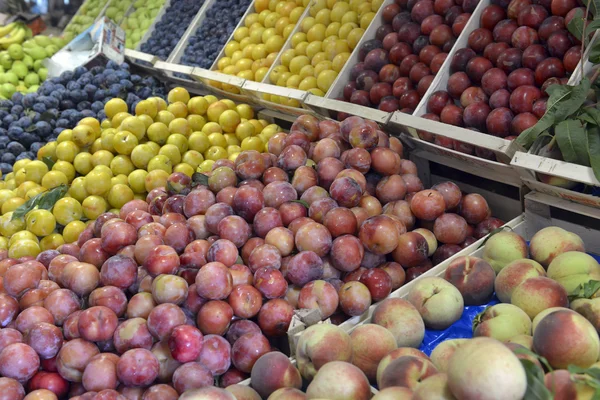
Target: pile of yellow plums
point(256, 44)
point(106, 164)
point(322, 45)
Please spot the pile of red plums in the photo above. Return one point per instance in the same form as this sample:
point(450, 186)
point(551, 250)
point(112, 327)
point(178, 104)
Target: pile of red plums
point(189, 288)
point(498, 84)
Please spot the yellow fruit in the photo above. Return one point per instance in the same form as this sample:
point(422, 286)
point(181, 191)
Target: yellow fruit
point(146, 107)
point(354, 37)
point(34, 192)
point(25, 187)
point(66, 168)
point(172, 152)
point(67, 210)
point(308, 83)
point(197, 105)
point(136, 181)
point(158, 132)
point(124, 142)
point(73, 230)
point(161, 162)
point(215, 110)
point(53, 179)
point(77, 189)
point(3, 243)
point(35, 170)
point(120, 179)
point(244, 130)
point(83, 163)
point(118, 119)
point(119, 195)
point(12, 204)
point(339, 61)
point(40, 222)
point(121, 164)
point(196, 122)
point(178, 94)
point(48, 150)
point(66, 151)
point(205, 166)
point(22, 235)
point(215, 153)
point(93, 206)
point(155, 179)
point(181, 126)
point(134, 125)
point(366, 20)
point(101, 157)
point(229, 120)
point(115, 106)
point(252, 143)
point(24, 248)
point(97, 182)
point(199, 142)
point(165, 117)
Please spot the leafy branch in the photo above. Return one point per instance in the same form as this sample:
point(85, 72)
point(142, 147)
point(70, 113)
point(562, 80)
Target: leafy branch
point(45, 201)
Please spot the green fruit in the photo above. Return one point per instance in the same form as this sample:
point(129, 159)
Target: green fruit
point(7, 90)
point(11, 77)
point(43, 73)
point(27, 60)
point(5, 60)
point(119, 16)
point(29, 44)
point(37, 53)
point(20, 69)
point(33, 89)
point(37, 64)
point(111, 12)
point(16, 51)
point(146, 24)
point(1, 70)
point(2, 79)
point(31, 79)
point(51, 50)
point(21, 88)
point(42, 40)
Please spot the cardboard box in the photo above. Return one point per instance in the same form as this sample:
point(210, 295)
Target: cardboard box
point(101, 42)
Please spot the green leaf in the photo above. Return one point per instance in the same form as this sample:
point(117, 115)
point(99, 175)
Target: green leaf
point(595, 8)
point(478, 318)
point(44, 201)
point(592, 27)
point(594, 55)
point(591, 115)
point(594, 372)
point(563, 101)
point(199, 179)
point(576, 26)
point(49, 162)
point(572, 140)
point(536, 390)
point(542, 360)
point(586, 290)
point(594, 150)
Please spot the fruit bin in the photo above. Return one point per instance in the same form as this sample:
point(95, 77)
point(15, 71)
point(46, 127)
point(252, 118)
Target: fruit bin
point(304, 318)
point(260, 90)
point(540, 211)
point(79, 11)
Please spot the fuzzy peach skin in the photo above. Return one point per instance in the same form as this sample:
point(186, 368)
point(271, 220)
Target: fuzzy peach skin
point(320, 344)
point(574, 268)
point(552, 241)
point(402, 319)
point(503, 248)
point(484, 368)
point(339, 380)
point(537, 294)
point(440, 356)
point(566, 338)
point(370, 343)
point(473, 277)
point(406, 371)
point(513, 275)
point(395, 354)
point(502, 322)
point(438, 301)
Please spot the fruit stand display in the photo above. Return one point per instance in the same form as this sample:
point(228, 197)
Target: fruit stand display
point(138, 19)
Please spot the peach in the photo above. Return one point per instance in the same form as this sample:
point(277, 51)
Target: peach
point(242, 392)
point(513, 275)
point(567, 386)
point(338, 380)
point(484, 368)
point(320, 344)
point(566, 338)
point(539, 293)
point(540, 316)
point(287, 394)
point(473, 277)
point(370, 343)
point(395, 354)
point(402, 319)
point(573, 268)
point(502, 322)
point(589, 308)
point(440, 356)
point(552, 241)
point(504, 247)
point(406, 371)
point(434, 387)
point(437, 300)
point(273, 371)
point(394, 393)
point(524, 340)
